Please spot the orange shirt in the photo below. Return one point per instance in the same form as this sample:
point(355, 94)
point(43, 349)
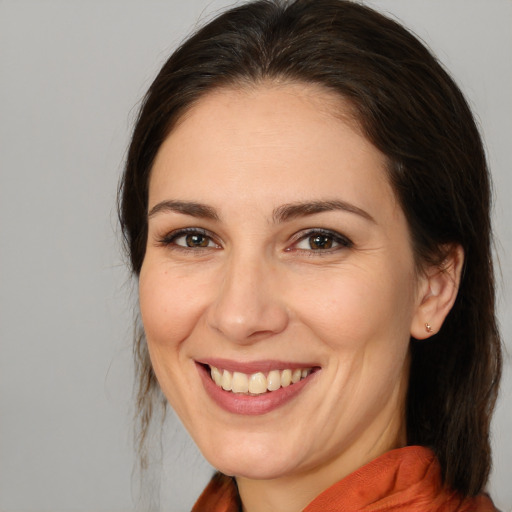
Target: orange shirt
point(403, 480)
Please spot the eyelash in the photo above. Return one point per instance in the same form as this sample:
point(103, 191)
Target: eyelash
point(341, 241)
point(170, 239)
point(336, 238)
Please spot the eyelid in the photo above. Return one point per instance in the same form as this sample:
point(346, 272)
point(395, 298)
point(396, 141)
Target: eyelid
point(169, 238)
point(343, 241)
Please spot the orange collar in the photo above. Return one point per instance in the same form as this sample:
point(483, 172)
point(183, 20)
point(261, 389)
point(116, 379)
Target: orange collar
point(403, 480)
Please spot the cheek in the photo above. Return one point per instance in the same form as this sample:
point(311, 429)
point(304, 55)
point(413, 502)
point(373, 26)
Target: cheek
point(170, 305)
point(170, 309)
point(355, 308)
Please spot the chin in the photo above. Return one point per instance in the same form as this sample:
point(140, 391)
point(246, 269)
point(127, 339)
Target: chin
point(251, 460)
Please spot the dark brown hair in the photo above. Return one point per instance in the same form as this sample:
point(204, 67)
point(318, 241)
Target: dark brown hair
point(413, 112)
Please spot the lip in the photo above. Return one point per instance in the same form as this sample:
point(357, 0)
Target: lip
point(246, 404)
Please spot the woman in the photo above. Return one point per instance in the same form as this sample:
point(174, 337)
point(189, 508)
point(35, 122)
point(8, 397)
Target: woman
point(306, 207)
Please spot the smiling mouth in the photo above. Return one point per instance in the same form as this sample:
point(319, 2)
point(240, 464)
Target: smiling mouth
point(258, 383)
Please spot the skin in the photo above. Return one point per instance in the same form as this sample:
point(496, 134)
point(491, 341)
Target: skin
point(258, 291)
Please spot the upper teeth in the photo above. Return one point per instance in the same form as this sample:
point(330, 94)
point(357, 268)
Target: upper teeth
point(257, 383)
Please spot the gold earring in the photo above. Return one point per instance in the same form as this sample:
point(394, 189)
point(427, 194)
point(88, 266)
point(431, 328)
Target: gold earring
point(428, 328)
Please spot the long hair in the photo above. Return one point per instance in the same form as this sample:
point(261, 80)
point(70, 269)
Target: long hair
point(412, 111)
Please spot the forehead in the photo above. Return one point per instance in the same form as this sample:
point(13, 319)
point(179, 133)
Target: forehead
point(288, 141)
point(325, 102)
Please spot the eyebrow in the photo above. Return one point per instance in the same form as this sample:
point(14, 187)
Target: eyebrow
point(185, 207)
point(281, 214)
point(291, 211)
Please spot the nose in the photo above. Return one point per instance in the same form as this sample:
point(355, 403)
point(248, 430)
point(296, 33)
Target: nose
point(248, 305)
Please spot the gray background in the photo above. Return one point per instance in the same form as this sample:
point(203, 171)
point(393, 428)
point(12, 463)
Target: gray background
point(72, 74)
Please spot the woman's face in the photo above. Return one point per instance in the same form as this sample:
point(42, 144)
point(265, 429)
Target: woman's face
point(277, 251)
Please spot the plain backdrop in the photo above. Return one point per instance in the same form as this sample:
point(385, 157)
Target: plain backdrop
point(72, 74)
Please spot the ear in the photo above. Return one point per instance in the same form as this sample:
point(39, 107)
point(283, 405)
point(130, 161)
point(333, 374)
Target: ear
point(437, 291)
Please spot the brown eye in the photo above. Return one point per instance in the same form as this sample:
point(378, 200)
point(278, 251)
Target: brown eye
point(197, 240)
point(320, 242)
point(190, 239)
